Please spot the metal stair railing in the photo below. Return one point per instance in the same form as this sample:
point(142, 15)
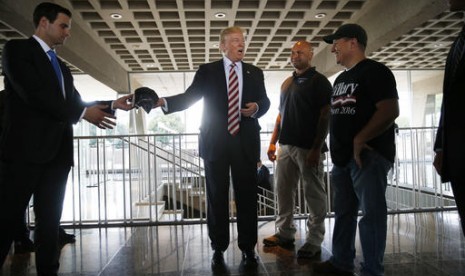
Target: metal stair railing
point(122, 180)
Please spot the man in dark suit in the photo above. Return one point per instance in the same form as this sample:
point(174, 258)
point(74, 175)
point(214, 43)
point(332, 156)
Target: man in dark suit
point(36, 145)
point(450, 138)
point(229, 140)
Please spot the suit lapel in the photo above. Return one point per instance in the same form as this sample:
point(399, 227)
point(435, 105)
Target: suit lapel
point(245, 76)
point(220, 77)
point(221, 74)
point(246, 81)
point(67, 79)
point(45, 65)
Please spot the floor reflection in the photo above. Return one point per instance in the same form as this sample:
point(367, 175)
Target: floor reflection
point(418, 244)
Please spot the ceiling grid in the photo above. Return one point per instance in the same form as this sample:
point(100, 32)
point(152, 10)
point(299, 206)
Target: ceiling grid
point(180, 35)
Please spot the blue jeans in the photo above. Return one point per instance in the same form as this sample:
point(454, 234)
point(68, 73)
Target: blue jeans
point(360, 188)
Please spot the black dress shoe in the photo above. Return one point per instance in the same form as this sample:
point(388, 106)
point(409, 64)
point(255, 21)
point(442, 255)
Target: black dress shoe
point(65, 238)
point(24, 246)
point(249, 258)
point(218, 264)
point(328, 268)
point(218, 258)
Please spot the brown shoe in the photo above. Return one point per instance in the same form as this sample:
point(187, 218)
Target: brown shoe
point(278, 240)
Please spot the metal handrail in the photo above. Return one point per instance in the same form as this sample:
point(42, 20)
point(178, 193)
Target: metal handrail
point(142, 181)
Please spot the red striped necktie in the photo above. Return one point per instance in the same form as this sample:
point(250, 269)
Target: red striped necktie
point(233, 101)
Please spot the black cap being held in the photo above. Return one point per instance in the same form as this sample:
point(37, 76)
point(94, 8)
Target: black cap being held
point(348, 31)
point(146, 98)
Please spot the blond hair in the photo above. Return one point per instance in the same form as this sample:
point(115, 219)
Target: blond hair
point(228, 31)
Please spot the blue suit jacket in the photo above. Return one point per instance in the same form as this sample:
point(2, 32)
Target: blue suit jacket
point(210, 84)
point(37, 118)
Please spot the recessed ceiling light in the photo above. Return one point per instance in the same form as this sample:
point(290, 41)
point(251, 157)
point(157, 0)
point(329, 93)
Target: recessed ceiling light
point(320, 15)
point(150, 65)
point(397, 63)
point(216, 45)
point(435, 45)
point(116, 16)
point(220, 15)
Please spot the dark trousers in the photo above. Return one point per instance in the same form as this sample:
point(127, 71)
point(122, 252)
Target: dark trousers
point(244, 176)
point(22, 233)
point(47, 183)
point(455, 169)
point(458, 187)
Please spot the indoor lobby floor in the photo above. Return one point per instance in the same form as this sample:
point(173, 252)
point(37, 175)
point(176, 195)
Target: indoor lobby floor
point(418, 244)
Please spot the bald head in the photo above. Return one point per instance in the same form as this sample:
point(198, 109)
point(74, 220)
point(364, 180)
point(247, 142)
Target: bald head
point(301, 56)
point(304, 45)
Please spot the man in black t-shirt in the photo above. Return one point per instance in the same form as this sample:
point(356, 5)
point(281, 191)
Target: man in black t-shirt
point(364, 105)
point(301, 127)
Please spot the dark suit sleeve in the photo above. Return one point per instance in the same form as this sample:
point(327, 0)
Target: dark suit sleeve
point(107, 103)
point(191, 95)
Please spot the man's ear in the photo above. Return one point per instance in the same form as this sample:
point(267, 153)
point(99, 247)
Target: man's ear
point(43, 21)
point(221, 48)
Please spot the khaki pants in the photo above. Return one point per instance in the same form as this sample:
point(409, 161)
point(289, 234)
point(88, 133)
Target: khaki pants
point(290, 169)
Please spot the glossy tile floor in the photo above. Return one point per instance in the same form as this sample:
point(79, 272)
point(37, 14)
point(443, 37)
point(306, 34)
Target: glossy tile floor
point(417, 244)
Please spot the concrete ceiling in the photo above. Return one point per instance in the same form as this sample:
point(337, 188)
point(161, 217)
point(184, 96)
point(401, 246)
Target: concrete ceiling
point(179, 35)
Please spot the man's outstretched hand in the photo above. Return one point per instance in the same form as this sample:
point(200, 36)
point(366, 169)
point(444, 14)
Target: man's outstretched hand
point(96, 116)
point(160, 102)
point(124, 103)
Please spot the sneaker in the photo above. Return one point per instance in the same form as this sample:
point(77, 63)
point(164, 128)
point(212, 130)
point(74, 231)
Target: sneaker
point(278, 240)
point(328, 268)
point(309, 251)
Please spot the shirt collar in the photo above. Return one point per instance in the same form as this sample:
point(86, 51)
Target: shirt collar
point(227, 63)
point(44, 45)
point(305, 73)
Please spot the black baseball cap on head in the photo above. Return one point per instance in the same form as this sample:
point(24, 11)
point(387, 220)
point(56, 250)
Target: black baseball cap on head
point(348, 31)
